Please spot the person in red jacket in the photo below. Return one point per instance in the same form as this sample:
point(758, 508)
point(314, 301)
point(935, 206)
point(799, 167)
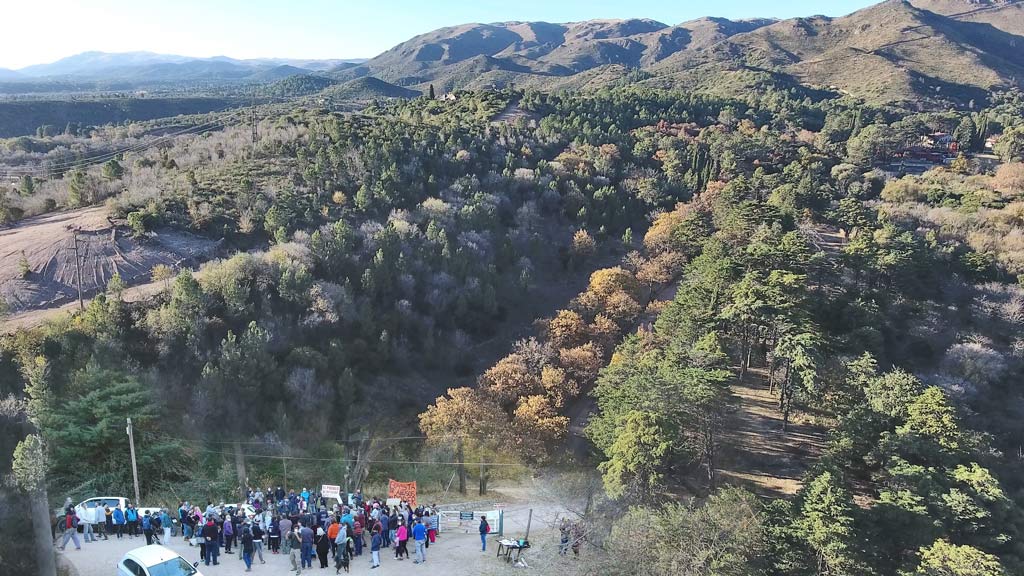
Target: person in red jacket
point(70, 525)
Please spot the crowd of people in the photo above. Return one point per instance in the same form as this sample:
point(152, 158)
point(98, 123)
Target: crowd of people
point(102, 523)
point(304, 526)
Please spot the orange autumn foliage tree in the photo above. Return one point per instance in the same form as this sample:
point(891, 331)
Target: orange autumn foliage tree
point(465, 413)
point(536, 425)
point(509, 379)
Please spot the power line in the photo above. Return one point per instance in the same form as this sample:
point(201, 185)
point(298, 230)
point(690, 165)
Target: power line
point(354, 461)
point(349, 441)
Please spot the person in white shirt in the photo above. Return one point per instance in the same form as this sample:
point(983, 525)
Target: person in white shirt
point(87, 519)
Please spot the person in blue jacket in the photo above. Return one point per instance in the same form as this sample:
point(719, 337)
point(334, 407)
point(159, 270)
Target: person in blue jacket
point(131, 516)
point(147, 528)
point(119, 520)
point(375, 543)
point(485, 529)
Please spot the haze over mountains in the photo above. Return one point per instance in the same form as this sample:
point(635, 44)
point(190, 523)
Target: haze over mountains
point(949, 51)
point(150, 66)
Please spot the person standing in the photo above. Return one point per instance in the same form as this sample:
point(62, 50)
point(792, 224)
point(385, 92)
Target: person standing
point(375, 543)
point(485, 529)
point(274, 536)
point(257, 541)
point(147, 528)
point(293, 542)
point(393, 527)
point(165, 524)
point(357, 531)
point(402, 537)
point(229, 534)
point(306, 537)
point(433, 524)
point(419, 535)
point(210, 537)
point(286, 529)
point(385, 522)
point(70, 525)
point(131, 516)
point(157, 526)
point(332, 534)
point(119, 520)
point(87, 521)
point(108, 518)
point(323, 545)
point(247, 548)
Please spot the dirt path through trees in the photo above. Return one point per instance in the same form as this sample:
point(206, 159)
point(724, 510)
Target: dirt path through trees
point(755, 451)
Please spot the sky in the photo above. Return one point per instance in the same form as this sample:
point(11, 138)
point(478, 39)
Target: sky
point(40, 31)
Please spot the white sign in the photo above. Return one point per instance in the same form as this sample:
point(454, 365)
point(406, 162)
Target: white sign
point(330, 491)
point(393, 501)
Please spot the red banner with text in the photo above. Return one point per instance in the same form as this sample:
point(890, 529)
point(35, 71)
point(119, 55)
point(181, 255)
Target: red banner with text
point(403, 491)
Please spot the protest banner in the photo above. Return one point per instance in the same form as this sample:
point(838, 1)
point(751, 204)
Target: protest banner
point(403, 490)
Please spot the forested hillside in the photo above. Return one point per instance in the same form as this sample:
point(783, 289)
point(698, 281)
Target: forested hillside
point(769, 330)
point(402, 237)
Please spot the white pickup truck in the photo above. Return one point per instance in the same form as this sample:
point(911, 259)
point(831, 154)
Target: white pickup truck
point(92, 509)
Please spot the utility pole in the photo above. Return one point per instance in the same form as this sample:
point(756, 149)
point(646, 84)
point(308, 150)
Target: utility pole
point(461, 456)
point(135, 469)
point(78, 278)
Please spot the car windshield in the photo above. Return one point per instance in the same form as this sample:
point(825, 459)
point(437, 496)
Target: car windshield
point(173, 567)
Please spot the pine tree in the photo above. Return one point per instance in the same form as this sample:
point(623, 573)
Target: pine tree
point(825, 522)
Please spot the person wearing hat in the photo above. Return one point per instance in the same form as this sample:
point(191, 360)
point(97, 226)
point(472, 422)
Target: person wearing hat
point(257, 539)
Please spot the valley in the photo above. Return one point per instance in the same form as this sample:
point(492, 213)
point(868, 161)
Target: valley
point(736, 296)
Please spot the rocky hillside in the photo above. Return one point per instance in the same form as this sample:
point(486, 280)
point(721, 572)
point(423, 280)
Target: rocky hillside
point(892, 51)
point(948, 51)
point(1006, 15)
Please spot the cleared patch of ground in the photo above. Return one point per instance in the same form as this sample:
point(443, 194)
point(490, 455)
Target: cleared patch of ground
point(511, 114)
point(756, 453)
point(37, 257)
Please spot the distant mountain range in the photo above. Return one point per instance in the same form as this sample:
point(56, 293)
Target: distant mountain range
point(143, 67)
point(922, 52)
point(943, 50)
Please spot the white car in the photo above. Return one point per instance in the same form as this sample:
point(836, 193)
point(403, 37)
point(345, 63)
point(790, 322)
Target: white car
point(155, 560)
